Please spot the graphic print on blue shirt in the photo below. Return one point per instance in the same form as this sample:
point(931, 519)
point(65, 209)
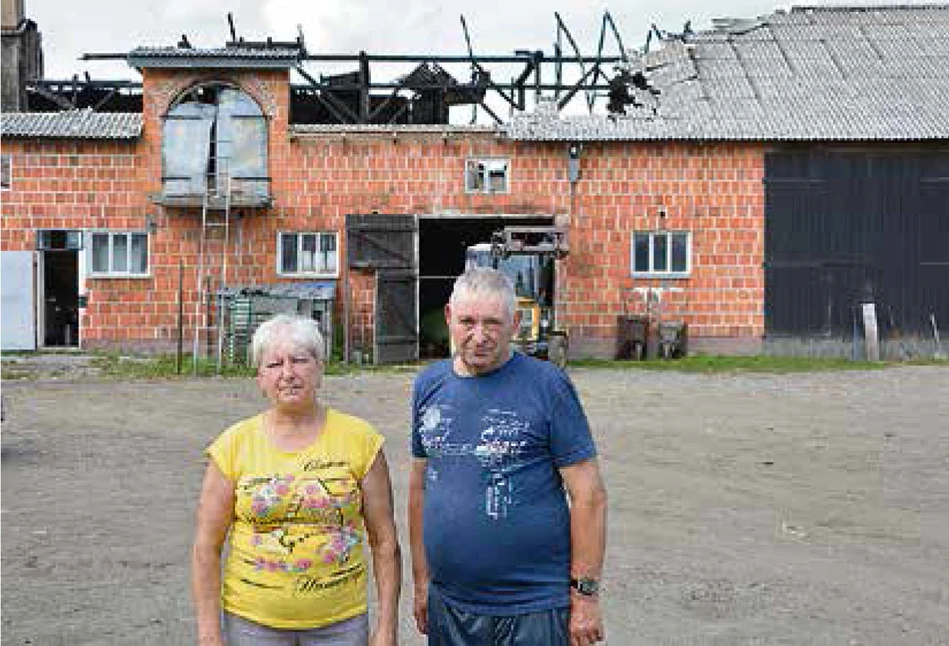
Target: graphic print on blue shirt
point(497, 450)
point(496, 521)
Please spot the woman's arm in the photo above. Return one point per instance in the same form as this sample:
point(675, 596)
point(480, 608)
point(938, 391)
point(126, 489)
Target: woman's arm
point(386, 554)
point(215, 514)
point(420, 573)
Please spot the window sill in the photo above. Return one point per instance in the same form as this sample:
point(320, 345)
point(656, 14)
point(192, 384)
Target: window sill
point(215, 202)
point(310, 276)
point(120, 276)
point(662, 275)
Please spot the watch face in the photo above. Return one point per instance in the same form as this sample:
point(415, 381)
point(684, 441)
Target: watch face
point(586, 586)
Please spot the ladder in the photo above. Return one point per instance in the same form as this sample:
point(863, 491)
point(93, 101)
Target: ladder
point(212, 217)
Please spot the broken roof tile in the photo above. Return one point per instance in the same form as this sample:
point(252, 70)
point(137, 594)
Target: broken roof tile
point(834, 73)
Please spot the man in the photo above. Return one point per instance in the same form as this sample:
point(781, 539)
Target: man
point(498, 556)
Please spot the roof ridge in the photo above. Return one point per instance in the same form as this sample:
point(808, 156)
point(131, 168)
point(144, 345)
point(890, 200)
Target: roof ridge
point(837, 8)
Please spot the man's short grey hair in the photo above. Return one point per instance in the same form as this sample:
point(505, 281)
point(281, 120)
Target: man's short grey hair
point(485, 282)
point(302, 331)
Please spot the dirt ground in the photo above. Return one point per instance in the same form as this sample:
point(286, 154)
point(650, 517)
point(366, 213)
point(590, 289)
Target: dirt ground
point(743, 509)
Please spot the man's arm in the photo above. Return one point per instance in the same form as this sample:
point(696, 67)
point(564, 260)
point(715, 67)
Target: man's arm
point(384, 544)
point(419, 563)
point(587, 546)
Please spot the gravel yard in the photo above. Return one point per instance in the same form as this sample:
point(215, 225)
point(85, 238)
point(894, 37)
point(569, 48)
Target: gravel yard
point(744, 508)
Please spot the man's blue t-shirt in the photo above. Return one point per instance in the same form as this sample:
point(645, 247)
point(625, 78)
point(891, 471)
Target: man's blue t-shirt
point(496, 520)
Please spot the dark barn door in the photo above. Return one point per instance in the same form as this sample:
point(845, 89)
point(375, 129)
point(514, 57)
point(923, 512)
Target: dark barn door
point(843, 228)
point(396, 316)
point(387, 244)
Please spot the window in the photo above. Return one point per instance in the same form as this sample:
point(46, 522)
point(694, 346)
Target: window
point(118, 254)
point(214, 142)
point(662, 253)
point(486, 176)
point(6, 172)
point(307, 254)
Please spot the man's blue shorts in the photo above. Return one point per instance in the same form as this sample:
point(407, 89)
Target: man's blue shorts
point(450, 626)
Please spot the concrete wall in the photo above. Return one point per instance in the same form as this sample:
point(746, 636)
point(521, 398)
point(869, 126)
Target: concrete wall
point(11, 13)
point(22, 62)
point(22, 56)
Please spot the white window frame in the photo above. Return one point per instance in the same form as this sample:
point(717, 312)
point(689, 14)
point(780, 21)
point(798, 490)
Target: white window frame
point(479, 172)
point(6, 172)
point(669, 272)
point(112, 272)
point(315, 272)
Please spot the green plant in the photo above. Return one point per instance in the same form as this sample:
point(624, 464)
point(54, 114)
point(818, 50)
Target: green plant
point(717, 363)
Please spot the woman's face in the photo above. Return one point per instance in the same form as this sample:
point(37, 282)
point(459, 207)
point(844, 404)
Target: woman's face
point(289, 376)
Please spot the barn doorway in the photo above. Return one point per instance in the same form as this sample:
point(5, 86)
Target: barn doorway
point(59, 285)
point(442, 244)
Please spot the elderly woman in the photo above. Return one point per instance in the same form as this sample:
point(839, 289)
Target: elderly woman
point(297, 487)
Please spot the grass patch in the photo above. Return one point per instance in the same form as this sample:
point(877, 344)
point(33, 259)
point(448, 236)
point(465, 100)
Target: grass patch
point(114, 365)
point(125, 366)
point(165, 367)
point(714, 364)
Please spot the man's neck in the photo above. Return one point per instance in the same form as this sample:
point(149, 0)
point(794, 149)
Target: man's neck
point(463, 369)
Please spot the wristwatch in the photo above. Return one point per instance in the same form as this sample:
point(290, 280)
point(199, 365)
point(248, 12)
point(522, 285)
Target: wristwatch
point(587, 586)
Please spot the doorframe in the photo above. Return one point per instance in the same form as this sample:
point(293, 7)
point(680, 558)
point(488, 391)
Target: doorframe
point(39, 301)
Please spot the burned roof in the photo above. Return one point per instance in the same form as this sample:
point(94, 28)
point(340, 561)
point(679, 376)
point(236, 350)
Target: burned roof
point(813, 73)
point(73, 124)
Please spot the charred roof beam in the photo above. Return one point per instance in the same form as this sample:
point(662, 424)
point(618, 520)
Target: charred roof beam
point(337, 108)
point(607, 21)
point(49, 95)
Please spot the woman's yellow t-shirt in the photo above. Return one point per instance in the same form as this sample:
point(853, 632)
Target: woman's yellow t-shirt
point(296, 557)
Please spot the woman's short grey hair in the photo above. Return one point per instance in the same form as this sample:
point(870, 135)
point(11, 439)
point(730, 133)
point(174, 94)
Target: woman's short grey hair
point(485, 282)
point(302, 331)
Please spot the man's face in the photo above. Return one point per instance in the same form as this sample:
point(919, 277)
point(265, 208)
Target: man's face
point(481, 330)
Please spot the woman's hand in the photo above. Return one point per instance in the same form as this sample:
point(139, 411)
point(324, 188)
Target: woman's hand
point(384, 637)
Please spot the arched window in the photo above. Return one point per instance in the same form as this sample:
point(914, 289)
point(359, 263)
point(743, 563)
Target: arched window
point(214, 144)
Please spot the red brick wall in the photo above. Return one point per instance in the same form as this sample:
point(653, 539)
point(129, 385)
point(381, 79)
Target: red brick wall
point(713, 190)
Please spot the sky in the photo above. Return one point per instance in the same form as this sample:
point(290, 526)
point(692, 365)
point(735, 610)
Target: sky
point(496, 27)
point(70, 29)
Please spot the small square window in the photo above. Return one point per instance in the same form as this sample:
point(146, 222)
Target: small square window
point(664, 254)
point(307, 254)
point(118, 255)
point(487, 176)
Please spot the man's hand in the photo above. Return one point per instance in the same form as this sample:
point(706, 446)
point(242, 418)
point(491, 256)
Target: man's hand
point(586, 620)
point(420, 607)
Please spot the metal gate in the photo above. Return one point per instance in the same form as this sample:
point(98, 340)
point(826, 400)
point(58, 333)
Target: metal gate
point(387, 244)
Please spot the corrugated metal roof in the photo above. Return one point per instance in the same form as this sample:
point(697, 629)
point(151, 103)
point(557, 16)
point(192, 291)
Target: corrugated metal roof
point(233, 57)
point(74, 124)
point(322, 290)
point(814, 73)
